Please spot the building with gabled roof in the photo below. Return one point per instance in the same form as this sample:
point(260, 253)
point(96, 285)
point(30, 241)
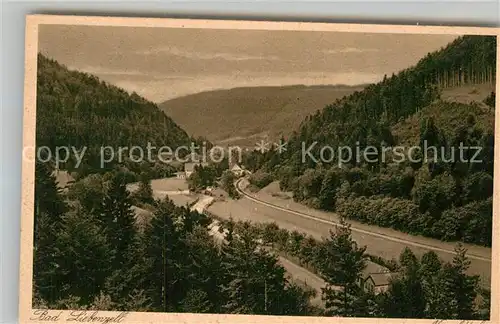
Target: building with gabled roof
point(378, 282)
point(375, 278)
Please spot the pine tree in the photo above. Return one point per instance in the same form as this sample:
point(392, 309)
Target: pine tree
point(430, 266)
point(163, 251)
point(367, 305)
point(485, 306)
point(296, 301)
point(49, 209)
point(196, 301)
point(190, 220)
point(47, 195)
point(130, 279)
point(254, 282)
point(406, 294)
point(137, 301)
point(203, 273)
point(253, 277)
point(459, 288)
point(144, 193)
point(82, 257)
point(118, 218)
point(340, 266)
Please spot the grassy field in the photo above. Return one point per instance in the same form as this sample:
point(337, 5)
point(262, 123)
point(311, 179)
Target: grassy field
point(169, 184)
point(468, 93)
point(449, 113)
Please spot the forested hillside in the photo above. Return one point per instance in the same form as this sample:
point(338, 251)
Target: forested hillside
point(442, 197)
point(77, 109)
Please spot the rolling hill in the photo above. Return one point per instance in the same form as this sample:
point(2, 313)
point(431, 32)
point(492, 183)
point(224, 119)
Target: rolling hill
point(243, 116)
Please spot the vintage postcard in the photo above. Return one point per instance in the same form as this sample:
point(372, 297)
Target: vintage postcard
point(217, 171)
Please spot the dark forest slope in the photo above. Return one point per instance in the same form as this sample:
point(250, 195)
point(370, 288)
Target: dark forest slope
point(78, 109)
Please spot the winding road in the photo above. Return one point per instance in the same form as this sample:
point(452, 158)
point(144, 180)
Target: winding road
point(384, 242)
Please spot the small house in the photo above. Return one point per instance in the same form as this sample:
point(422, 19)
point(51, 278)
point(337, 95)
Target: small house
point(189, 168)
point(375, 278)
point(378, 282)
point(236, 170)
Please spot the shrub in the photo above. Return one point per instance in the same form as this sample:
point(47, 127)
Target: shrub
point(261, 179)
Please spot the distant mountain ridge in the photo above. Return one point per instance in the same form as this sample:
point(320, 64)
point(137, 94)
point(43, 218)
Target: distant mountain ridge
point(78, 109)
point(244, 115)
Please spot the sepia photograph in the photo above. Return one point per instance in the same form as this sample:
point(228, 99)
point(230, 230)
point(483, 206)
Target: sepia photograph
point(178, 167)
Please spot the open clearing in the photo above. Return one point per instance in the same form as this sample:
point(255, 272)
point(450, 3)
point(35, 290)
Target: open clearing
point(169, 184)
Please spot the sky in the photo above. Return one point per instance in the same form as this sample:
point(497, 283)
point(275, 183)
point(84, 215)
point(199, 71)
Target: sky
point(164, 63)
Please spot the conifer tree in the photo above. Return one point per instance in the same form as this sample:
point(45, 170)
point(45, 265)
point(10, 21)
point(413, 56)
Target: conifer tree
point(341, 264)
point(406, 294)
point(253, 276)
point(47, 195)
point(129, 281)
point(163, 249)
point(430, 266)
point(203, 273)
point(459, 289)
point(144, 193)
point(49, 209)
point(328, 190)
point(254, 281)
point(82, 257)
point(118, 218)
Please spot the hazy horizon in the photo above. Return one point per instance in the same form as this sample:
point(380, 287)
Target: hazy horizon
point(162, 64)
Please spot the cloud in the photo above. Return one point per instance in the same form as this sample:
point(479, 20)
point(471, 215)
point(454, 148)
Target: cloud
point(127, 74)
point(100, 71)
point(206, 56)
point(350, 50)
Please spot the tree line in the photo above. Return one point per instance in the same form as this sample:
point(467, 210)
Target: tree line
point(213, 174)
